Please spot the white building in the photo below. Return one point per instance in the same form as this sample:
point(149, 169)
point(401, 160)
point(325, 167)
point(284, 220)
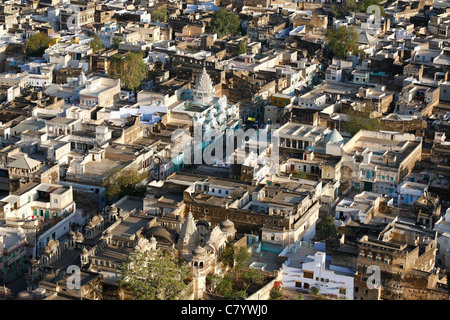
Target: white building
point(409, 192)
point(316, 271)
point(12, 252)
point(360, 77)
point(299, 136)
point(380, 160)
point(313, 100)
point(442, 226)
point(100, 91)
point(14, 79)
point(42, 202)
point(360, 208)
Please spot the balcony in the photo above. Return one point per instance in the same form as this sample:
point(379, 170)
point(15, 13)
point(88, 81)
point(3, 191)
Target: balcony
point(18, 255)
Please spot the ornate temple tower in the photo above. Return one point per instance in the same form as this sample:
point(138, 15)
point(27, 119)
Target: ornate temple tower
point(203, 91)
point(200, 265)
point(189, 237)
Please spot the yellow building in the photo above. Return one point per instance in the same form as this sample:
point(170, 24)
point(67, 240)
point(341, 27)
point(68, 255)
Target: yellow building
point(281, 100)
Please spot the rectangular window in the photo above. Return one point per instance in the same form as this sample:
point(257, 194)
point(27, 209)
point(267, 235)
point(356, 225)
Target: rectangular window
point(308, 274)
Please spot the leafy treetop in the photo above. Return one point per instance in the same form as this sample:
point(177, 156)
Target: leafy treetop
point(225, 23)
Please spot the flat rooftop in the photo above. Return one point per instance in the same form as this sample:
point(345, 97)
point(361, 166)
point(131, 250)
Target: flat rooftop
point(284, 197)
point(129, 204)
point(129, 227)
point(300, 256)
point(10, 237)
point(191, 106)
point(301, 131)
point(101, 167)
point(61, 121)
point(117, 254)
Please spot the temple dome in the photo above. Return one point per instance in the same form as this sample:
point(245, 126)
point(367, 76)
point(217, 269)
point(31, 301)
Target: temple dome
point(333, 137)
point(199, 252)
point(227, 225)
point(161, 233)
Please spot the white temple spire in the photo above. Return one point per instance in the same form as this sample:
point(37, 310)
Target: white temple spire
point(203, 91)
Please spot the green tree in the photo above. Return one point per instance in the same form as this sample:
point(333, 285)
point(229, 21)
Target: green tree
point(115, 42)
point(241, 294)
point(242, 48)
point(301, 175)
point(125, 182)
point(315, 290)
point(241, 258)
point(365, 4)
point(347, 6)
point(252, 276)
point(159, 15)
point(227, 256)
point(37, 44)
point(235, 257)
point(343, 41)
point(359, 120)
point(326, 229)
point(96, 44)
point(154, 275)
point(225, 286)
point(225, 23)
point(130, 68)
point(342, 10)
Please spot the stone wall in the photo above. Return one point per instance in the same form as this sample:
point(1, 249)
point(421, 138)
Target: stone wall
point(245, 220)
point(264, 292)
point(417, 125)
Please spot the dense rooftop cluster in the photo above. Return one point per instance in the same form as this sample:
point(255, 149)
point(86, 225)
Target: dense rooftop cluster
point(264, 146)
